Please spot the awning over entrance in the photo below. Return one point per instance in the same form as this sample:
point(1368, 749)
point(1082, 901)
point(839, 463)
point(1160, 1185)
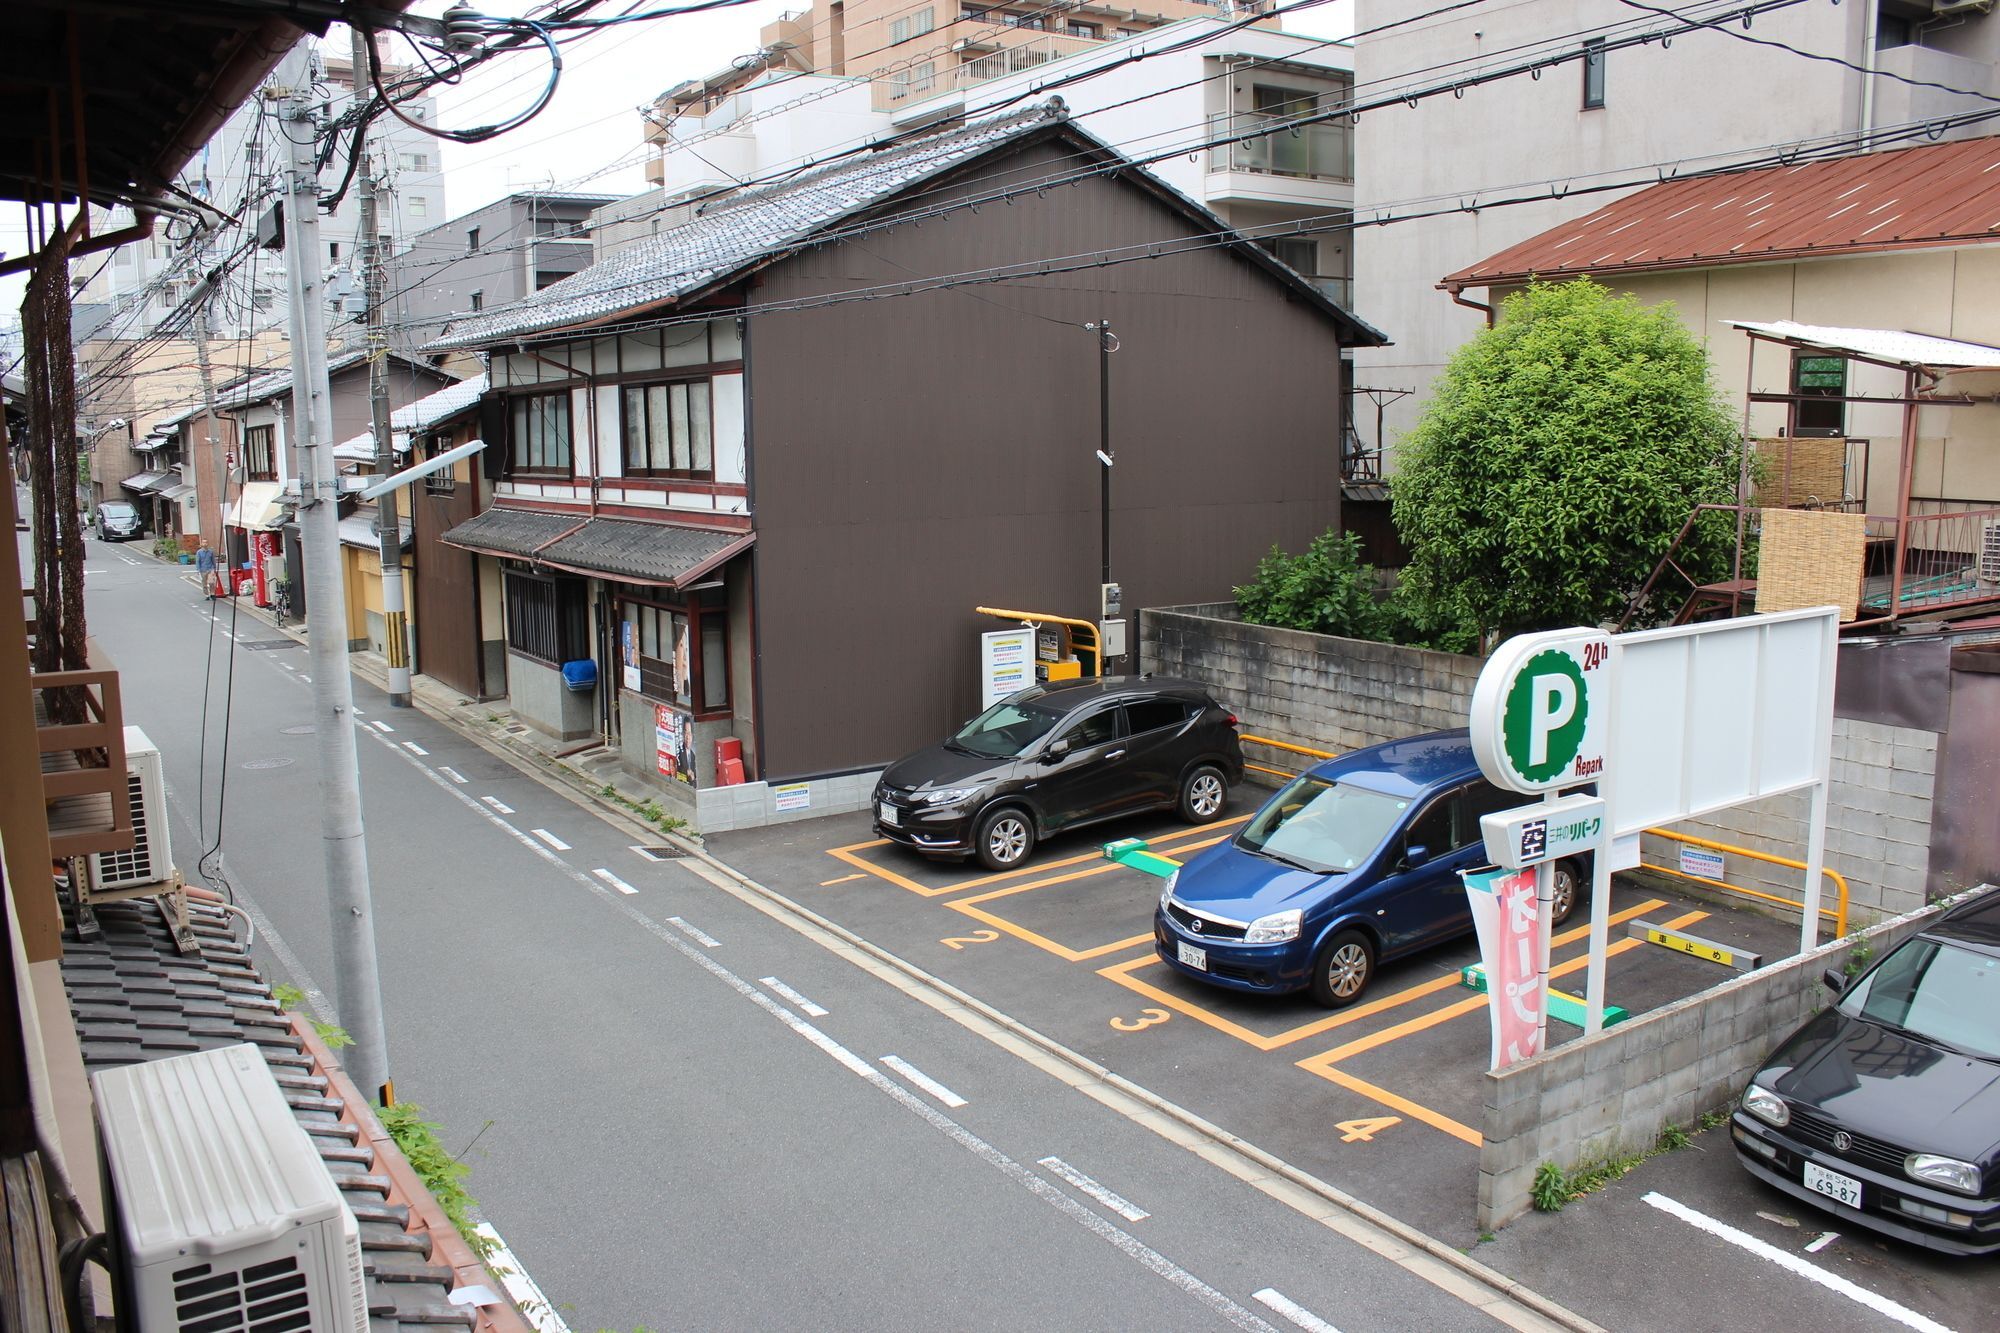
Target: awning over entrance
point(1894, 346)
point(176, 493)
point(260, 507)
point(668, 555)
point(145, 483)
point(365, 531)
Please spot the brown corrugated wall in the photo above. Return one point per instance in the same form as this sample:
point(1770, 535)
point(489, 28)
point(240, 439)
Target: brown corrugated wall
point(915, 457)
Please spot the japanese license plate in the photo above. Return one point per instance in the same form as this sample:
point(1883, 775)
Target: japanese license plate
point(1193, 957)
point(1833, 1185)
point(889, 814)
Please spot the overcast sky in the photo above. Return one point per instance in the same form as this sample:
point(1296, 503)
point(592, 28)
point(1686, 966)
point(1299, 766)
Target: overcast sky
point(588, 138)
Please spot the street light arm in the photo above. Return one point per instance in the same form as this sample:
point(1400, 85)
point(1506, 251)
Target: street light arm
point(396, 480)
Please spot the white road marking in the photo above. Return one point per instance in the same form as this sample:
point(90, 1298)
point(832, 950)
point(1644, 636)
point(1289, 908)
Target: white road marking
point(304, 677)
point(812, 1010)
point(452, 773)
point(550, 838)
point(414, 748)
point(287, 666)
point(613, 880)
point(924, 1081)
point(704, 940)
point(1826, 1238)
point(1121, 1206)
point(380, 725)
point(493, 801)
point(1293, 1311)
point(1095, 1223)
point(527, 1293)
point(1791, 1263)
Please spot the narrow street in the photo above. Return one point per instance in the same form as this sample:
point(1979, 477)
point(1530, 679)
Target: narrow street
point(680, 1112)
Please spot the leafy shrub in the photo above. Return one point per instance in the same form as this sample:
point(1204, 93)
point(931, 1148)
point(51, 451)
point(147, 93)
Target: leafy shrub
point(1324, 590)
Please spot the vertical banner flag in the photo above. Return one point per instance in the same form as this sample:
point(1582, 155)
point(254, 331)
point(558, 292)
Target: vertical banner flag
point(1506, 916)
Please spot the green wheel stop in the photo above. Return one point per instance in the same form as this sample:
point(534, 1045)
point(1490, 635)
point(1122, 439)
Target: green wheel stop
point(1133, 852)
point(1568, 1008)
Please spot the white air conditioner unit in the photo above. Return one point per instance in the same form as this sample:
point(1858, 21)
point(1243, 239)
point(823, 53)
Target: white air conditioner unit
point(1989, 551)
point(219, 1211)
point(151, 859)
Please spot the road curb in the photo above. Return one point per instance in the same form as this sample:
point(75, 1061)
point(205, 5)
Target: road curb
point(556, 775)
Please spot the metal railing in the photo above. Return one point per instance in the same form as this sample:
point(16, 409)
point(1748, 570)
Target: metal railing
point(1320, 151)
point(1007, 57)
point(1837, 912)
point(1944, 554)
point(80, 736)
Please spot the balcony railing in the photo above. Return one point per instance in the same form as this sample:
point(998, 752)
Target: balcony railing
point(1950, 556)
point(1320, 151)
point(80, 733)
point(1006, 56)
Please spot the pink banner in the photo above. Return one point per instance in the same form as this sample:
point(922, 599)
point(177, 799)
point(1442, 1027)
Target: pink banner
point(1506, 916)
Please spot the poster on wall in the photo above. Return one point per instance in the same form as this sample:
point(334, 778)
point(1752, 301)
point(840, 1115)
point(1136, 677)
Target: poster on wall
point(629, 655)
point(673, 744)
point(1005, 665)
point(681, 689)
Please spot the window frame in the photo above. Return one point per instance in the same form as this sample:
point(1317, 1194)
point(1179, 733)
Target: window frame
point(642, 390)
point(515, 468)
point(568, 615)
point(1816, 399)
point(1593, 74)
point(260, 441)
point(699, 620)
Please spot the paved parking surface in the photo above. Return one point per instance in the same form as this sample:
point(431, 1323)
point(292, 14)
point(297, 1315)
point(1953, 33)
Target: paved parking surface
point(1382, 1099)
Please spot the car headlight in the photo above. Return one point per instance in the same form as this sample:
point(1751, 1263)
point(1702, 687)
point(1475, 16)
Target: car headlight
point(1946, 1171)
point(1168, 892)
point(1767, 1106)
point(1274, 929)
point(950, 795)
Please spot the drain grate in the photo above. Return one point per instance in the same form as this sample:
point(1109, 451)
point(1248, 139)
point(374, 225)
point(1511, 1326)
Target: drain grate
point(270, 763)
point(660, 853)
point(303, 729)
point(265, 645)
point(516, 729)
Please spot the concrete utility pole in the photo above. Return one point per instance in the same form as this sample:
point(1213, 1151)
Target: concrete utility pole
point(395, 633)
point(357, 985)
point(219, 464)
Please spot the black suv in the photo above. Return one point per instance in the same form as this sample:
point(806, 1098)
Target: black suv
point(1059, 756)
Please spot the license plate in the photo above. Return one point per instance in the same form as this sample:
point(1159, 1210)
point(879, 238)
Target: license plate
point(1191, 956)
point(1845, 1189)
point(888, 813)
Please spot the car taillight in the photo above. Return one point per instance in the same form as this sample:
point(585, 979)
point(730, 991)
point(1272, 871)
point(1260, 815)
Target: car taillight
point(1232, 719)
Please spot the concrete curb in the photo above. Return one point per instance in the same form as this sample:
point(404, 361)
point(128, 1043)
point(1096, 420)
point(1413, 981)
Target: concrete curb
point(565, 780)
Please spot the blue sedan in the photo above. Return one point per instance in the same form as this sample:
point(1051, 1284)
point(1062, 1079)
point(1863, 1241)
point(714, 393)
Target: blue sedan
point(1353, 863)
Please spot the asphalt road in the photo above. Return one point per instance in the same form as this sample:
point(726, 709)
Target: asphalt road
point(680, 1110)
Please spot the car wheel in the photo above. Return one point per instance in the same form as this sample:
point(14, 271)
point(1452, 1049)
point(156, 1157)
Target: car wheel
point(1005, 838)
point(1203, 794)
point(1562, 894)
point(1343, 969)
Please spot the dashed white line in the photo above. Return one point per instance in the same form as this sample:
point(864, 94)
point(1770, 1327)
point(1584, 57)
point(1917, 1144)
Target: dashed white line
point(304, 677)
point(452, 773)
point(494, 801)
point(414, 748)
point(1791, 1263)
point(704, 940)
point(1293, 1311)
point(613, 880)
point(812, 1010)
point(924, 1081)
point(550, 838)
point(287, 666)
point(380, 725)
point(1117, 1204)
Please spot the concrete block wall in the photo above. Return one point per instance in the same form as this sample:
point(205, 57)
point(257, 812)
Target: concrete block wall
point(1614, 1093)
point(537, 695)
point(755, 804)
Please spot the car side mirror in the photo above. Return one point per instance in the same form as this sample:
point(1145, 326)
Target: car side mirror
point(1415, 855)
point(1834, 980)
point(1056, 752)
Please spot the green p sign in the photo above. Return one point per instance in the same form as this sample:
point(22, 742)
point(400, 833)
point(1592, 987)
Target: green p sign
point(1538, 710)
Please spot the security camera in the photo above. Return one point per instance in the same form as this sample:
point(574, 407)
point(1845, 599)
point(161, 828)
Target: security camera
point(116, 423)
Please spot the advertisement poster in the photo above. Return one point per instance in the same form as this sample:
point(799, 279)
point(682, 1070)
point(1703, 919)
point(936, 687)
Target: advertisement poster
point(681, 687)
point(1005, 664)
point(629, 655)
point(673, 744)
point(1504, 913)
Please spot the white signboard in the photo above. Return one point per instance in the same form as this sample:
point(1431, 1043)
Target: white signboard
point(1006, 664)
point(1533, 834)
point(1541, 710)
point(1701, 862)
point(791, 796)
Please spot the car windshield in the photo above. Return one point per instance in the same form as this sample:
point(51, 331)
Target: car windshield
point(1320, 825)
point(116, 509)
point(1005, 731)
point(1935, 990)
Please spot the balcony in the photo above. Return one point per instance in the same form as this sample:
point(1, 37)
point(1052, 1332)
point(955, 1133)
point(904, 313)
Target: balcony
point(1008, 51)
point(1323, 151)
point(80, 740)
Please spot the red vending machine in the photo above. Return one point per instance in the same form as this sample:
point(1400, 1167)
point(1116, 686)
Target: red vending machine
point(263, 550)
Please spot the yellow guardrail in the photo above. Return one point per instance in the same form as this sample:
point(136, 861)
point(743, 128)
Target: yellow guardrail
point(1838, 913)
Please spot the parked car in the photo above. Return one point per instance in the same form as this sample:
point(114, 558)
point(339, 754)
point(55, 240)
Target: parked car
point(1059, 756)
point(118, 521)
point(1885, 1109)
point(1353, 863)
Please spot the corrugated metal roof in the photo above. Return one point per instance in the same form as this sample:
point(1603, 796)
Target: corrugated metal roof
point(638, 552)
point(426, 412)
point(511, 532)
point(142, 483)
point(268, 384)
point(1894, 345)
point(1937, 194)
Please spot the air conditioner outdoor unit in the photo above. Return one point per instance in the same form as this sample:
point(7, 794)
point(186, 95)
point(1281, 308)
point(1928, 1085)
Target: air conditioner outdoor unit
point(151, 859)
point(219, 1211)
point(1989, 551)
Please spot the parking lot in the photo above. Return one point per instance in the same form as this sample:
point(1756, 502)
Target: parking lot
point(1382, 1099)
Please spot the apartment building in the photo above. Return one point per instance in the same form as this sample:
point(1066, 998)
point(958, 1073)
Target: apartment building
point(1600, 100)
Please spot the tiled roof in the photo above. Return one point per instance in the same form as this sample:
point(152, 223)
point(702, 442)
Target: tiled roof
point(660, 553)
point(510, 532)
point(1937, 194)
point(424, 413)
point(268, 384)
point(735, 233)
point(136, 998)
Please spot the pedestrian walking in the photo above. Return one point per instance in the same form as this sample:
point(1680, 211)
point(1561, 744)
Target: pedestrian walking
point(204, 565)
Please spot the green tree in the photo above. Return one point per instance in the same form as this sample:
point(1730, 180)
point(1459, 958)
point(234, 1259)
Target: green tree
point(1563, 451)
point(1326, 590)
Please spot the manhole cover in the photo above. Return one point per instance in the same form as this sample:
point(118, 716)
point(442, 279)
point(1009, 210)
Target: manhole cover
point(270, 763)
point(304, 729)
point(265, 645)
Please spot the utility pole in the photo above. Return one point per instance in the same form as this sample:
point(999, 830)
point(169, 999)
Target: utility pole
point(395, 634)
point(357, 985)
point(218, 463)
point(1106, 345)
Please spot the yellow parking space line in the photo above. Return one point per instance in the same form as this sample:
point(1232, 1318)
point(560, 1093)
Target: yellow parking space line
point(847, 855)
point(1414, 1110)
point(844, 879)
point(1122, 974)
point(1040, 941)
point(1101, 867)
